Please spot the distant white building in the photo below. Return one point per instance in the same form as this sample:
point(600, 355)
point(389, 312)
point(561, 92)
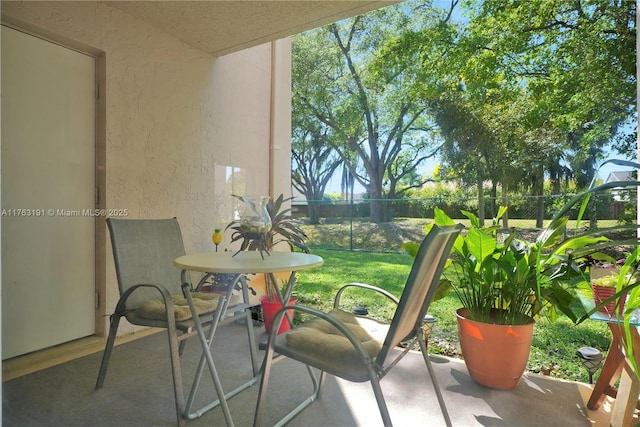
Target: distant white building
point(619, 176)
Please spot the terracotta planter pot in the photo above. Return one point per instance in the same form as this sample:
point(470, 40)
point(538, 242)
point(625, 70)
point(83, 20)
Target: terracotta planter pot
point(602, 293)
point(496, 355)
point(269, 309)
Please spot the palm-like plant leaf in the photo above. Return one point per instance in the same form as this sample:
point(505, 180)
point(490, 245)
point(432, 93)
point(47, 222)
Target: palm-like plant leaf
point(284, 229)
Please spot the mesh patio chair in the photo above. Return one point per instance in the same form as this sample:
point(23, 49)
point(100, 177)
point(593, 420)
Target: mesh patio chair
point(154, 293)
point(358, 348)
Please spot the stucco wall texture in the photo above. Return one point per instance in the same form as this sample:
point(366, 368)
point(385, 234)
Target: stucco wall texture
point(183, 130)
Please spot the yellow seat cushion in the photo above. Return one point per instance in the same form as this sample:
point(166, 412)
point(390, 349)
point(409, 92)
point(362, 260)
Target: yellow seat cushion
point(154, 309)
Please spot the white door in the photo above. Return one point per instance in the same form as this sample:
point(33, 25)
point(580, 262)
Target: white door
point(48, 175)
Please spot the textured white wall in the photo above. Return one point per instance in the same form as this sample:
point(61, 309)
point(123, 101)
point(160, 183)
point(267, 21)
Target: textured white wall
point(177, 120)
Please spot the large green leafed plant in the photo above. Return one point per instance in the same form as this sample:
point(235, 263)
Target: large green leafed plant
point(501, 279)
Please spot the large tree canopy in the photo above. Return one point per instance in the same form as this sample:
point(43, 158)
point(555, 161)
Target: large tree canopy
point(573, 62)
point(550, 84)
point(378, 124)
point(576, 60)
point(516, 92)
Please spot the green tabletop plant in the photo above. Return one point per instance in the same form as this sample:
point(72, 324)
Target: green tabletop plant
point(282, 228)
point(610, 283)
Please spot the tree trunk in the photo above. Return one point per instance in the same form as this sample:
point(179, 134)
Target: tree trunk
point(314, 212)
point(376, 205)
point(494, 199)
point(593, 214)
point(540, 211)
point(539, 193)
point(481, 202)
point(505, 202)
point(376, 211)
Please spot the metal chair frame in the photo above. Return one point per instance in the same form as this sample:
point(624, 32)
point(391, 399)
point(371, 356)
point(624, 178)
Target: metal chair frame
point(177, 331)
point(406, 328)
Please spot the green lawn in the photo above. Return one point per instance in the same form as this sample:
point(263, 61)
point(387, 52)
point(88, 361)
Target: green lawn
point(554, 344)
point(388, 236)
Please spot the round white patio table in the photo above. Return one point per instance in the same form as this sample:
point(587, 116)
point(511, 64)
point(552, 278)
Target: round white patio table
point(239, 264)
point(251, 262)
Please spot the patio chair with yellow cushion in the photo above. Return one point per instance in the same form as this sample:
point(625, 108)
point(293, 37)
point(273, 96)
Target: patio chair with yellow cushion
point(358, 348)
point(156, 294)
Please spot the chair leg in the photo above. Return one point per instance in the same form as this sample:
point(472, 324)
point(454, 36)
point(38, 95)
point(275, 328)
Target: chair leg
point(317, 384)
point(248, 316)
point(377, 391)
point(175, 363)
point(264, 383)
point(434, 381)
point(253, 351)
point(113, 329)
point(176, 371)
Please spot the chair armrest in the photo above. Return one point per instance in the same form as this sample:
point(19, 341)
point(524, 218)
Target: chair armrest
point(121, 307)
point(278, 317)
point(336, 301)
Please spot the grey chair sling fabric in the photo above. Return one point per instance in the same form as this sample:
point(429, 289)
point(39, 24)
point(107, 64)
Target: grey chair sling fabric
point(358, 348)
point(152, 293)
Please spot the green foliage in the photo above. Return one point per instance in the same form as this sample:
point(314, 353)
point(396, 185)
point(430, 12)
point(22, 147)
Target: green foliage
point(364, 102)
point(630, 213)
point(575, 60)
point(444, 195)
point(609, 281)
point(524, 92)
point(501, 279)
point(284, 229)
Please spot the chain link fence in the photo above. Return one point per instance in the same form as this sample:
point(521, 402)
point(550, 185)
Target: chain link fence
point(347, 225)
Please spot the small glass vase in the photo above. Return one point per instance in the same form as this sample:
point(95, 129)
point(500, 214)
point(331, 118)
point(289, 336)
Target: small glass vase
point(255, 221)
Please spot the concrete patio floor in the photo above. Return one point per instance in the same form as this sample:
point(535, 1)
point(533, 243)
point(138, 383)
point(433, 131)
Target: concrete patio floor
point(138, 392)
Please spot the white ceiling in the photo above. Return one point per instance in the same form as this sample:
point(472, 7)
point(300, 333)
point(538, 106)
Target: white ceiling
point(222, 27)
